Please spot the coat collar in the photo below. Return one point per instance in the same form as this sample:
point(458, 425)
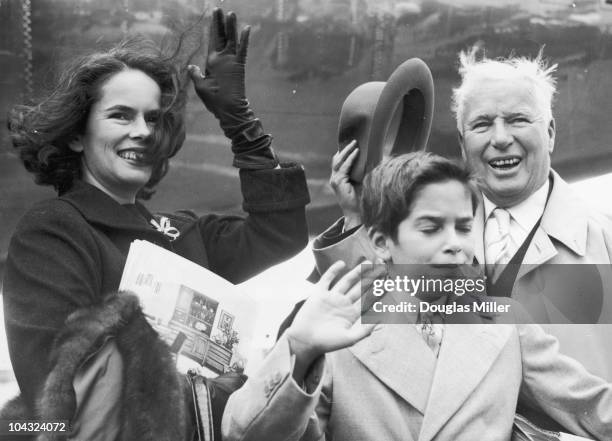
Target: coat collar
point(458, 354)
point(564, 217)
point(398, 356)
point(99, 208)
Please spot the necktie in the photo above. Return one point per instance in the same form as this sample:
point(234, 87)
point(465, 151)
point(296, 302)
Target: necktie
point(431, 327)
point(497, 241)
point(432, 333)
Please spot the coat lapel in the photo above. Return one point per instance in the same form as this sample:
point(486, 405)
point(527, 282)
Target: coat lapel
point(100, 209)
point(563, 221)
point(398, 356)
point(466, 355)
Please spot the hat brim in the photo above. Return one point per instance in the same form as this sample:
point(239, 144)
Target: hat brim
point(388, 118)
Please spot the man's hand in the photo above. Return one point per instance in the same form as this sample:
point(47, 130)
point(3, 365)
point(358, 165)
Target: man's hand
point(346, 193)
point(329, 319)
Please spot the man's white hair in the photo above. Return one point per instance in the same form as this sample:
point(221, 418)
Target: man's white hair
point(473, 71)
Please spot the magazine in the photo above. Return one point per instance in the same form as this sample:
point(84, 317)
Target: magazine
point(196, 312)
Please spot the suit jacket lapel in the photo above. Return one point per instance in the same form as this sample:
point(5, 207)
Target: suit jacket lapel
point(398, 356)
point(466, 355)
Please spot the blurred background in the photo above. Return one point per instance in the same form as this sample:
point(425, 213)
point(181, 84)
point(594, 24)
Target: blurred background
point(305, 57)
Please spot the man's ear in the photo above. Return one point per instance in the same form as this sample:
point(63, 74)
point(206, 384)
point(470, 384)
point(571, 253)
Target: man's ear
point(380, 242)
point(551, 135)
point(76, 145)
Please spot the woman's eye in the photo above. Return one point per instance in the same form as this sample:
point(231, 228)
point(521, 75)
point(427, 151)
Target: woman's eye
point(120, 116)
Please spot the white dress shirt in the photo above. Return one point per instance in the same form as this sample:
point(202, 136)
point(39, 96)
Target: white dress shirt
point(523, 216)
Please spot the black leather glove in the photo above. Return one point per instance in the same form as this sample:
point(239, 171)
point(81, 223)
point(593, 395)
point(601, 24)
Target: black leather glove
point(222, 90)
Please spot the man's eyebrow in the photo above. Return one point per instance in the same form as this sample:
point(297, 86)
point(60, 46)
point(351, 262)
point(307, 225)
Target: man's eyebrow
point(515, 114)
point(480, 116)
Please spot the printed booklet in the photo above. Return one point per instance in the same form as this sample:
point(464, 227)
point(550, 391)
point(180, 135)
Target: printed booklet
point(199, 314)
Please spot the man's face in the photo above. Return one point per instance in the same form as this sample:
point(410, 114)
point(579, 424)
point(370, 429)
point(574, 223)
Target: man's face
point(507, 139)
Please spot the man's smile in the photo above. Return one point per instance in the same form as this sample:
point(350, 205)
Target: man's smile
point(506, 163)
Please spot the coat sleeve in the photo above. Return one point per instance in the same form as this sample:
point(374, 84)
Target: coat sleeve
point(274, 230)
point(562, 387)
point(51, 270)
point(272, 406)
point(351, 247)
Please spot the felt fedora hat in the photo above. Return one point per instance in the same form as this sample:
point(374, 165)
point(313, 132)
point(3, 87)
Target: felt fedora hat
point(388, 118)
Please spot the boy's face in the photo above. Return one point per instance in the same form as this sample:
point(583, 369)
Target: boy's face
point(438, 229)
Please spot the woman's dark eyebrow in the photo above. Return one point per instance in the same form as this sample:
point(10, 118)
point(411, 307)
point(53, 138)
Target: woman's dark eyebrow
point(119, 107)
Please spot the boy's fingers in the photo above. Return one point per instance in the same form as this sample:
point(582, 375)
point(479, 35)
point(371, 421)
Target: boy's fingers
point(349, 281)
point(331, 274)
point(368, 275)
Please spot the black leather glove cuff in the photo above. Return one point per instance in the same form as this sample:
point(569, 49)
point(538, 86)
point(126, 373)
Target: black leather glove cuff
point(251, 146)
point(256, 160)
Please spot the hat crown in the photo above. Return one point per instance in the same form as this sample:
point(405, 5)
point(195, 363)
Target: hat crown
point(391, 117)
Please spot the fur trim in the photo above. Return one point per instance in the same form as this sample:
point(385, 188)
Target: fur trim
point(15, 409)
point(153, 401)
point(153, 406)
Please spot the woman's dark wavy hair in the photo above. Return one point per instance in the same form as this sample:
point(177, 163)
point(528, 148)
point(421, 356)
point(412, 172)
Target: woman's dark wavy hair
point(42, 133)
point(390, 188)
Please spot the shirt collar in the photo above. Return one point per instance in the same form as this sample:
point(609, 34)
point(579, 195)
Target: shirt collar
point(527, 212)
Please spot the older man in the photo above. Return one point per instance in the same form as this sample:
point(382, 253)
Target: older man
point(529, 215)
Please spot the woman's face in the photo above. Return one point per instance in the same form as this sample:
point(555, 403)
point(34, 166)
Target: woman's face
point(438, 229)
point(114, 144)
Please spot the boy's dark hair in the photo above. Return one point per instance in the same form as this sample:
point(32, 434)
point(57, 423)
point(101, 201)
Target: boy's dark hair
point(389, 189)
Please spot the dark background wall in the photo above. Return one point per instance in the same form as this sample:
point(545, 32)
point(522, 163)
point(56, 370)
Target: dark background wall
point(305, 57)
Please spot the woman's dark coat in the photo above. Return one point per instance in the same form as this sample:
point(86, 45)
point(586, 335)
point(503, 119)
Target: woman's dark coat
point(67, 256)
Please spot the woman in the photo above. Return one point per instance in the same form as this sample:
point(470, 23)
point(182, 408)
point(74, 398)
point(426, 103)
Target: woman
point(103, 139)
point(329, 376)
